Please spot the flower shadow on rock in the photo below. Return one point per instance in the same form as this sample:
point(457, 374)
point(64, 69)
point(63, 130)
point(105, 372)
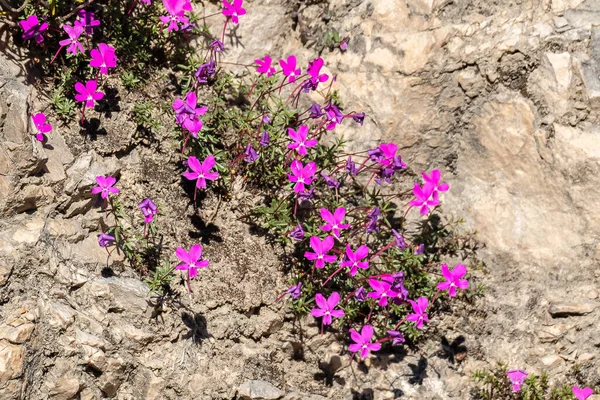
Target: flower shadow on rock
point(206, 232)
point(91, 129)
point(453, 351)
point(328, 370)
point(110, 103)
point(197, 327)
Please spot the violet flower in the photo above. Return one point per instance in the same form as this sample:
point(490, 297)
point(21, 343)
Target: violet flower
point(334, 221)
point(419, 308)
point(33, 29)
point(320, 248)
point(372, 217)
point(419, 250)
point(331, 183)
point(351, 167)
point(88, 93)
point(382, 290)
point(582, 393)
point(362, 341)
point(359, 118)
point(326, 308)
point(360, 294)
point(397, 285)
point(333, 115)
point(516, 377)
point(104, 58)
point(297, 234)
point(176, 10)
point(105, 240)
point(206, 71)
point(300, 142)
point(295, 291)
point(301, 175)
point(397, 337)
point(453, 280)
point(41, 127)
point(87, 20)
point(315, 111)
point(149, 210)
point(192, 260)
point(105, 186)
point(201, 172)
point(74, 33)
point(234, 10)
point(289, 68)
point(400, 243)
point(264, 139)
point(353, 259)
point(217, 46)
point(307, 194)
point(266, 119)
point(251, 154)
point(264, 66)
point(188, 115)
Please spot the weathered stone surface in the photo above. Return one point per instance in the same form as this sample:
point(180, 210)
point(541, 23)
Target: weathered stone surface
point(66, 388)
point(565, 309)
point(259, 390)
point(16, 334)
point(12, 358)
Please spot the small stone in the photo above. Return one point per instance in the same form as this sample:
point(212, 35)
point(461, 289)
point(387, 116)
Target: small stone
point(61, 315)
point(551, 360)
point(564, 309)
point(65, 388)
point(16, 334)
point(560, 22)
point(5, 271)
point(586, 357)
point(11, 362)
point(592, 294)
point(259, 390)
point(87, 339)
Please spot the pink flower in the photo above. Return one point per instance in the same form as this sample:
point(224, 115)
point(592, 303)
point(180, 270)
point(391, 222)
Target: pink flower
point(86, 19)
point(516, 377)
point(419, 307)
point(334, 221)
point(188, 115)
point(74, 33)
point(176, 10)
point(434, 180)
point(326, 308)
point(192, 260)
point(382, 290)
point(320, 251)
point(201, 172)
point(88, 93)
point(33, 29)
point(289, 68)
point(234, 10)
point(425, 197)
point(105, 186)
point(301, 175)
point(314, 70)
point(104, 58)
point(354, 259)
point(453, 280)
point(41, 127)
point(264, 66)
point(299, 138)
point(582, 394)
point(362, 341)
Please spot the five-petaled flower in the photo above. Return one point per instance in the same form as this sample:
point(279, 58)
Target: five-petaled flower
point(353, 259)
point(362, 341)
point(321, 248)
point(433, 179)
point(382, 290)
point(103, 58)
point(105, 240)
point(74, 33)
point(424, 198)
point(176, 10)
point(516, 377)
point(264, 66)
point(87, 20)
point(314, 71)
point(188, 115)
point(326, 308)
point(419, 308)
point(334, 221)
point(33, 29)
point(149, 210)
point(41, 127)
point(301, 175)
point(105, 186)
point(289, 68)
point(453, 280)
point(201, 172)
point(88, 93)
point(233, 10)
point(299, 138)
point(192, 260)
point(582, 393)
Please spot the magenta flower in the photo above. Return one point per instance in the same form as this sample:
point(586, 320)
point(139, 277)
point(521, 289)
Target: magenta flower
point(105, 240)
point(299, 138)
point(176, 10)
point(424, 198)
point(192, 260)
point(434, 180)
point(326, 308)
point(334, 221)
point(201, 172)
point(362, 341)
point(33, 29)
point(289, 68)
point(453, 280)
point(353, 260)
point(188, 115)
point(73, 41)
point(420, 316)
point(149, 210)
point(264, 66)
point(41, 127)
point(320, 251)
point(88, 93)
point(301, 175)
point(104, 58)
point(314, 70)
point(583, 393)
point(234, 10)
point(382, 290)
point(516, 377)
point(105, 186)
point(87, 20)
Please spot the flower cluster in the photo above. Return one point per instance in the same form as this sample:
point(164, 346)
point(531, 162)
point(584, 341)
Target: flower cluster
point(517, 378)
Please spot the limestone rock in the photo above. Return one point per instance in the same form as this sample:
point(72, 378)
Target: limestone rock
point(566, 309)
point(16, 334)
point(66, 388)
point(259, 390)
point(12, 358)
